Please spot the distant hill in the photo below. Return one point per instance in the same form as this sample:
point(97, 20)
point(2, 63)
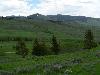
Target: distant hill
point(63, 26)
point(56, 18)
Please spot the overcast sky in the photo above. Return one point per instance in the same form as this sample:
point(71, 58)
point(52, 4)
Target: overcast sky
point(89, 8)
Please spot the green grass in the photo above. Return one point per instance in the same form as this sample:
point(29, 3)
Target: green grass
point(89, 63)
point(73, 59)
point(45, 29)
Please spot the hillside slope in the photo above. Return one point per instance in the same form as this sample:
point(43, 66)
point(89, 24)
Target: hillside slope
point(30, 28)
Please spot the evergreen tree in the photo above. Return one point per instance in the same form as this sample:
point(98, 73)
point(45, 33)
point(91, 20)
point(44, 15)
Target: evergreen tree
point(55, 46)
point(21, 49)
point(89, 40)
point(39, 49)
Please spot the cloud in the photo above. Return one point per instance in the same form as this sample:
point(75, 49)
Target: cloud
point(14, 7)
point(69, 7)
point(55, 6)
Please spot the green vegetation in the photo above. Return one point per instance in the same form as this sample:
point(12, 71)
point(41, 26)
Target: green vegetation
point(21, 49)
point(55, 46)
point(89, 40)
point(39, 49)
point(72, 58)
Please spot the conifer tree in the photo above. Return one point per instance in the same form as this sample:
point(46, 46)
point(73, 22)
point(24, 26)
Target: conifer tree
point(89, 40)
point(21, 48)
point(39, 49)
point(55, 46)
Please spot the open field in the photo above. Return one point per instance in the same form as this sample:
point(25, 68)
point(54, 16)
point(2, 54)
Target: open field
point(77, 63)
point(72, 60)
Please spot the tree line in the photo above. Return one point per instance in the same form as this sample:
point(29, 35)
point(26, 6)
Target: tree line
point(40, 49)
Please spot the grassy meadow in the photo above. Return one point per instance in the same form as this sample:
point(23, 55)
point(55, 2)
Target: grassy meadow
point(72, 60)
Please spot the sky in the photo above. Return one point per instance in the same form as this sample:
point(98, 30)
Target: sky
point(89, 8)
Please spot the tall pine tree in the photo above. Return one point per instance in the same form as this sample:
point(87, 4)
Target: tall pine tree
point(89, 40)
point(55, 46)
point(39, 49)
